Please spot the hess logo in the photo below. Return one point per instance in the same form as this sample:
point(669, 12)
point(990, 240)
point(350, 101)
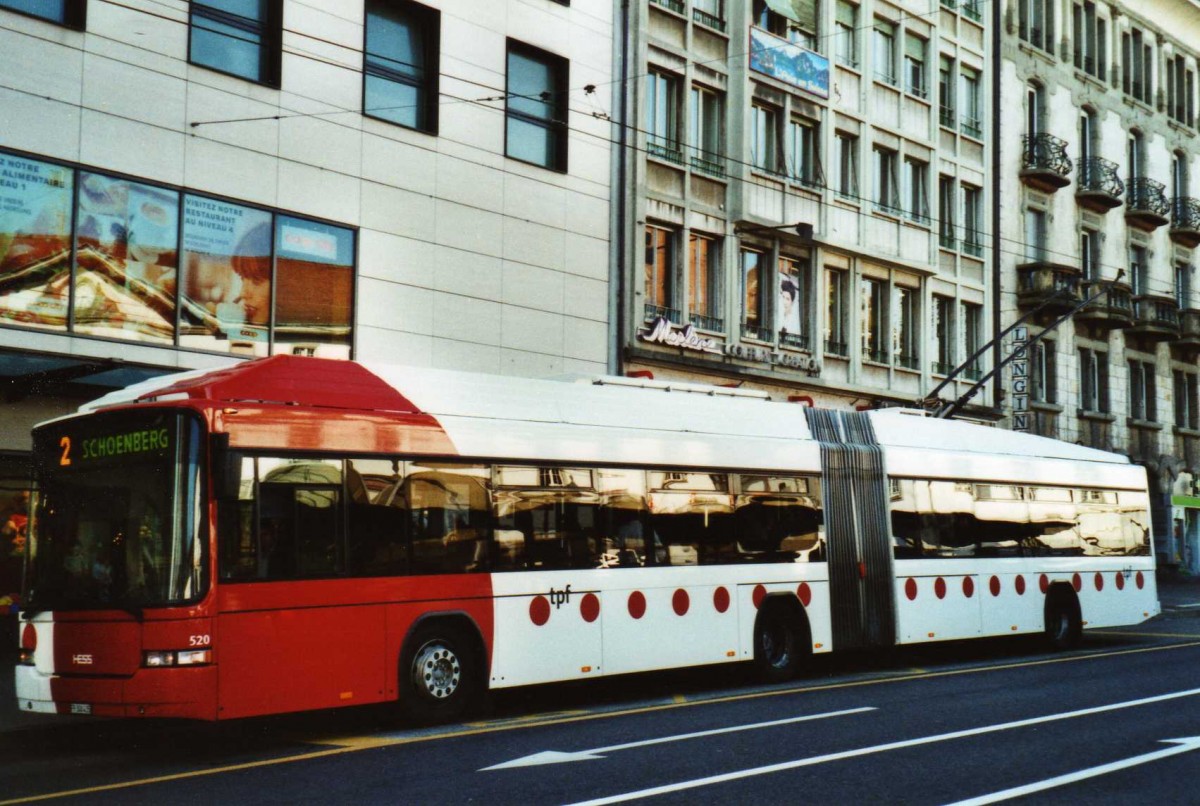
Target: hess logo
point(81, 660)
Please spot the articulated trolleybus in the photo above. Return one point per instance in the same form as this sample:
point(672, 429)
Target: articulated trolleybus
point(299, 533)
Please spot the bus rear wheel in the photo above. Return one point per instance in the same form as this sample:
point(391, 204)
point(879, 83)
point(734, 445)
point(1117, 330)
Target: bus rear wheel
point(1064, 624)
point(778, 649)
point(439, 674)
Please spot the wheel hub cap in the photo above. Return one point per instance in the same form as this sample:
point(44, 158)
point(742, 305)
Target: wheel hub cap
point(436, 671)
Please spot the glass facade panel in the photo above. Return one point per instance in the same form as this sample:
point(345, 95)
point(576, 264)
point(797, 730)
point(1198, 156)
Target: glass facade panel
point(35, 242)
point(314, 287)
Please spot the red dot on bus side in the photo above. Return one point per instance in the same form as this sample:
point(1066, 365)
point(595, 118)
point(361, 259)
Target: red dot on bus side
point(637, 604)
point(1020, 585)
point(539, 610)
point(910, 589)
point(1044, 583)
point(1099, 581)
point(680, 602)
point(589, 608)
point(1140, 580)
point(29, 637)
point(939, 588)
point(1077, 582)
point(994, 586)
point(721, 599)
point(760, 593)
point(805, 593)
point(968, 587)
point(1120, 579)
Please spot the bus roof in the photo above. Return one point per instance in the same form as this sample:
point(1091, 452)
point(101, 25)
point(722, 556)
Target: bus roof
point(474, 406)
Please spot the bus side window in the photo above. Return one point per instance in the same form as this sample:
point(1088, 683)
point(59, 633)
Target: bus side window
point(621, 519)
point(692, 513)
point(377, 542)
point(449, 518)
point(238, 552)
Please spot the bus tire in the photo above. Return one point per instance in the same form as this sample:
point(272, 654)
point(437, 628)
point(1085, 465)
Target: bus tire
point(1064, 623)
point(780, 642)
point(440, 677)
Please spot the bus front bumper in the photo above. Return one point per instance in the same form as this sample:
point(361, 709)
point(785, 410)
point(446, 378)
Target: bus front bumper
point(187, 693)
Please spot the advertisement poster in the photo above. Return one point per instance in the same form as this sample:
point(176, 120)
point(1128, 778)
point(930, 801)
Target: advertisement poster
point(126, 257)
point(35, 248)
point(780, 59)
point(226, 288)
point(789, 302)
point(314, 287)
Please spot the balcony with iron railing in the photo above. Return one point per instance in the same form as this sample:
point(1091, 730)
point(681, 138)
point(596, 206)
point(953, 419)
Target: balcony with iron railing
point(970, 10)
point(1146, 205)
point(713, 324)
point(796, 341)
point(1155, 318)
point(947, 117)
point(664, 149)
point(752, 330)
point(1055, 284)
point(652, 312)
point(837, 348)
point(1188, 343)
point(1185, 221)
point(1112, 310)
point(1045, 165)
point(706, 162)
point(942, 367)
point(670, 5)
point(973, 371)
point(709, 20)
point(874, 356)
point(1100, 187)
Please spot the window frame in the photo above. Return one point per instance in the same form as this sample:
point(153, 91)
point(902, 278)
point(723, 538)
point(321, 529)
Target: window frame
point(74, 14)
point(269, 29)
point(429, 20)
point(557, 126)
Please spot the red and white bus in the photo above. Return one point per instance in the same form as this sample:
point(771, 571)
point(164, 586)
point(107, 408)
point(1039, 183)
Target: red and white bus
point(298, 533)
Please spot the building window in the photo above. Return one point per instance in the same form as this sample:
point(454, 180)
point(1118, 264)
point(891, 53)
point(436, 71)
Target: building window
point(796, 22)
point(1134, 155)
point(972, 329)
point(1035, 235)
point(1183, 285)
point(754, 300)
point(536, 107)
point(1089, 254)
point(887, 186)
point(968, 98)
point(804, 139)
point(239, 38)
point(1138, 270)
point(946, 212)
point(943, 335)
point(847, 163)
point(70, 13)
point(915, 49)
point(916, 190)
point(905, 327)
point(1187, 406)
point(1137, 65)
point(846, 33)
point(793, 302)
point(707, 131)
point(1035, 22)
point(710, 13)
point(946, 114)
point(836, 329)
point(400, 64)
point(704, 295)
point(884, 51)
point(1179, 175)
point(1143, 397)
point(972, 220)
point(873, 319)
point(1093, 381)
point(659, 285)
point(1089, 32)
point(764, 138)
point(1043, 373)
point(662, 116)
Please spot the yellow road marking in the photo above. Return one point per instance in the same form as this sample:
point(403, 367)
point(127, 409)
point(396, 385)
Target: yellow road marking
point(1149, 634)
point(367, 743)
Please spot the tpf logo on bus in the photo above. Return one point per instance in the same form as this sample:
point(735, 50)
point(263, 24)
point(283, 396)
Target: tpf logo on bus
point(559, 598)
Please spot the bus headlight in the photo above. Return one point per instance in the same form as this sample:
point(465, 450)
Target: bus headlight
point(184, 657)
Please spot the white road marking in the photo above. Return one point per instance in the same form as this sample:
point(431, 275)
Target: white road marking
point(556, 757)
point(880, 748)
point(1185, 745)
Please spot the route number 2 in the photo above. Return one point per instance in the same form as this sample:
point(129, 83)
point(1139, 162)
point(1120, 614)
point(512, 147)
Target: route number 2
point(65, 459)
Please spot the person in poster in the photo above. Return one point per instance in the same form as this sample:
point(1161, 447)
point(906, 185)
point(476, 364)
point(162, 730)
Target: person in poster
point(789, 303)
point(227, 276)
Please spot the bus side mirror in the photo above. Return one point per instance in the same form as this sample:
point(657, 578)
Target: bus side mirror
point(226, 469)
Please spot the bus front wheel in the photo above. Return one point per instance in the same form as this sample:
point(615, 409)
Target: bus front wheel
point(439, 673)
point(778, 648)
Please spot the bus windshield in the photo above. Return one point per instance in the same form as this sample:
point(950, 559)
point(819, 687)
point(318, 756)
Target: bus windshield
point(117, 513)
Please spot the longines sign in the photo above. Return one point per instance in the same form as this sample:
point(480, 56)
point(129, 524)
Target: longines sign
point(663, 331)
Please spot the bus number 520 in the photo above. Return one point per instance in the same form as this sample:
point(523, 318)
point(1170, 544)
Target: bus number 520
point(199, 640)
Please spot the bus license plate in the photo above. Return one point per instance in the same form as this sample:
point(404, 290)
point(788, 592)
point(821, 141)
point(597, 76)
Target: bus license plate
point(81, 707)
